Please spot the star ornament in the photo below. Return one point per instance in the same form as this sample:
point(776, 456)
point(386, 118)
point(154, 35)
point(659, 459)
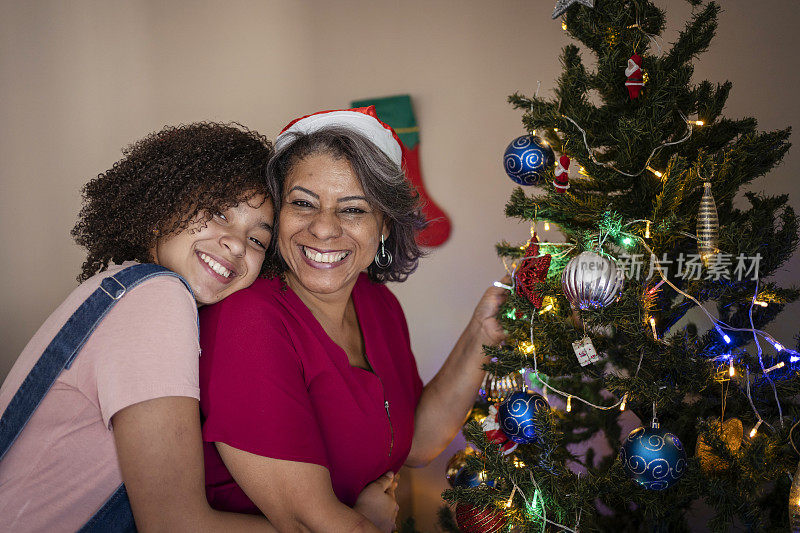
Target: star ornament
point(563, 5)
point(531, 272)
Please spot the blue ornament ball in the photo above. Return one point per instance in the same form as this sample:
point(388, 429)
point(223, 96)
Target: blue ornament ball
point(517, 416)
point(470, 478)
point(526, 159)
point(653, 457)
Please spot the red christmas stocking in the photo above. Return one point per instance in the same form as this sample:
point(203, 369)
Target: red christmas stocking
point(397, 112)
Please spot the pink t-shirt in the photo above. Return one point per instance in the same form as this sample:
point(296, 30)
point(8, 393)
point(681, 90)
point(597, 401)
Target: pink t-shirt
point(274, 384)
point(63, 466)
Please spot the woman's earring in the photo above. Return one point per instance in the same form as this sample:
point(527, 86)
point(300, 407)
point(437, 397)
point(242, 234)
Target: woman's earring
point(383, 258)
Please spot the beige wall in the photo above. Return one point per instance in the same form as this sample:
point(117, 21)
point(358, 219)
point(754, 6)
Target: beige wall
point(81, 79)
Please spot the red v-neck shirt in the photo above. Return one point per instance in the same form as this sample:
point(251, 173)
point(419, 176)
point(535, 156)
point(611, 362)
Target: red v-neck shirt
point(274, 384)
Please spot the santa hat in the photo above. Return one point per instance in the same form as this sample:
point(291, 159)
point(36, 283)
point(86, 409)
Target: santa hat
point(363, 120)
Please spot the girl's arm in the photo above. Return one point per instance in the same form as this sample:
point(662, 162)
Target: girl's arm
point(448, 397)
point(298, 497)
point(160, 452)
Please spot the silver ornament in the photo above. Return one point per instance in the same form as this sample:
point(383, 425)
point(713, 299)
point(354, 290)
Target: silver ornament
point(563, 5)
point(707, 225)
point(592, 280)
point(794, 503)
point(496, 389)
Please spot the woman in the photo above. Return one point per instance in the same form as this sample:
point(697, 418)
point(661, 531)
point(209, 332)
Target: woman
point(194, 200)
point(309, 388)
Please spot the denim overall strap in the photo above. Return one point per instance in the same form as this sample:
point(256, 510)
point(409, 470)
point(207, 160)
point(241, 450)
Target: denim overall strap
point(60, 354)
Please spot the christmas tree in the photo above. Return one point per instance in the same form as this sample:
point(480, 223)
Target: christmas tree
point(657, 302)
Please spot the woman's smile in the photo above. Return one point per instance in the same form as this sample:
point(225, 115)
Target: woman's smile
point(328, 232)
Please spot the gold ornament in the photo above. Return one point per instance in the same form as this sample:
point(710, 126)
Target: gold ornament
point(707, 225)
point(794, 503)
point(731, 432)
point(496, 389)
point(456, 463)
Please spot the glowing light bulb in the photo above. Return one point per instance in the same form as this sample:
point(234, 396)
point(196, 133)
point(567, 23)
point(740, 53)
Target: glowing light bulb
point(698, 123)
point(547, 308)
point(778, 346)
point(510, 501)
point(624, 402)
point(653, 327)
point(569, 403)
point(564, 25)
point(760, 303)
point(526, 347)
point(723, 334)
point(775, 367)
point(647, 230)
point(755, 428)
point(627, 241)
point(656, 172)
point(547, 226)
point(731, 368)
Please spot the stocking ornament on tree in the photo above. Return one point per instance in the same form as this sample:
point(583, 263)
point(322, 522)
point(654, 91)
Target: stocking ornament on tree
point(532, 270)
point(635, 76)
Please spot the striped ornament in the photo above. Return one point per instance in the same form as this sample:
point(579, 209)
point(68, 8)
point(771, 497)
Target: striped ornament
point(707, 225)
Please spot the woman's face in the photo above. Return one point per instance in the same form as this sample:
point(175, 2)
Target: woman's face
point(327, 232)
point(222, 254)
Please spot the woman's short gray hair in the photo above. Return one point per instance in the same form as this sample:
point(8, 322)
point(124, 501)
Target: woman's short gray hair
point(385, 186)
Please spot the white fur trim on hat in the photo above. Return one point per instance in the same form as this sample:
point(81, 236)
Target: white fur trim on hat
point(361, 123)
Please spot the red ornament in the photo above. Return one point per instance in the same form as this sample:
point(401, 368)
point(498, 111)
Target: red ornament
point(491, 427)
point(532, 270)
point(561, 182)
point(472, 519)
point(635, 76)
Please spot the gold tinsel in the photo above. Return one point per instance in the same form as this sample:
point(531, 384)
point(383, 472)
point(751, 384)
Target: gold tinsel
point(731, 432)
point(794, 503)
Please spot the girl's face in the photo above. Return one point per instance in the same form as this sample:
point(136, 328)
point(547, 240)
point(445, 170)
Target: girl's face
point(328, 232)
point(222, 254)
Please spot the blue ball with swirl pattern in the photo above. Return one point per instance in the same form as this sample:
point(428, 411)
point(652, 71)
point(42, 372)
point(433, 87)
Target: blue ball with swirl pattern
point(527, 158)
point(653, 457)
point(517, 416)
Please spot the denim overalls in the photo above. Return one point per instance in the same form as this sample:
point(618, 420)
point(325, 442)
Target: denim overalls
point(115, 515)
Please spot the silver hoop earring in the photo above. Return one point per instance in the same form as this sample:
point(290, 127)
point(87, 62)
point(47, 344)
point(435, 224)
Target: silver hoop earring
point(383, 258)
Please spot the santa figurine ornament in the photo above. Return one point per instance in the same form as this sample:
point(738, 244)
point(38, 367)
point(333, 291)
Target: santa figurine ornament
point(635, 76)
point(561, 182)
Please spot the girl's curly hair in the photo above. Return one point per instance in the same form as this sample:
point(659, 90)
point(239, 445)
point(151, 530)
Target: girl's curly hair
point(164, 181)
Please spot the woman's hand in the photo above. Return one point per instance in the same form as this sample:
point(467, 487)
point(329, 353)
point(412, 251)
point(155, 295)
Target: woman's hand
point(377, 502)
point(484, 318)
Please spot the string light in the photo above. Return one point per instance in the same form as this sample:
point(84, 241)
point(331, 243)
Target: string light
point(647, 230)
point(755, 428)
point(722, 334)
point(510, 501)
point(624, 402)
point(547, 226)
point(778, 346)
point(654, 171)
point(774, 367)
point(564, 25)
point(547, 308)
point(526, 347)
point(653, 327)
point(569, 403)
point(698, 123)
point(760, 303)
point(731, 368)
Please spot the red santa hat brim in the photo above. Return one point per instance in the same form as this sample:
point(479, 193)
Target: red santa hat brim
point(363, 120)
